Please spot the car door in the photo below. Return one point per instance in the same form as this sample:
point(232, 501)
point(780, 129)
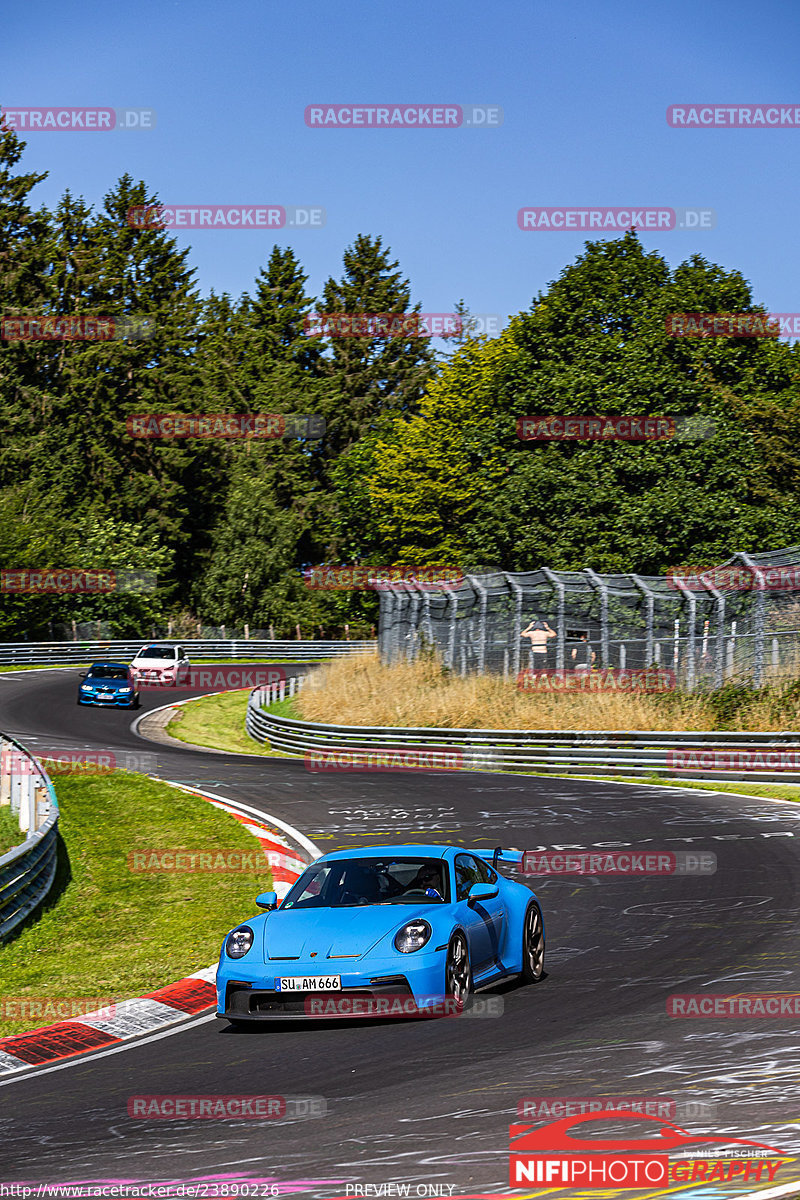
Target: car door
point(479, 920)
point(496, 910)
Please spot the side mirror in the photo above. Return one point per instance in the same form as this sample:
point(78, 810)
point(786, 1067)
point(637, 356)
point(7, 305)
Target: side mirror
point(268, 900)
point(482, 891)
point(82, 674)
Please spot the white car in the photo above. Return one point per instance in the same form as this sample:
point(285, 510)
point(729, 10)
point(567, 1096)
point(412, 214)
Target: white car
point(166, 666)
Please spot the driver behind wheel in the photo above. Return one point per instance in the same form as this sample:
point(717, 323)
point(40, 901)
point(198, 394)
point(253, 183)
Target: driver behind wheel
point(427, 879)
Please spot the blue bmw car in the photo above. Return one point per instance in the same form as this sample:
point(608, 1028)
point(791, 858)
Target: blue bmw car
point(111, 685)
point(428, 923)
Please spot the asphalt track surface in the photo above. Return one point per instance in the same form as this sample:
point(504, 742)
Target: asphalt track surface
point(430, 1102)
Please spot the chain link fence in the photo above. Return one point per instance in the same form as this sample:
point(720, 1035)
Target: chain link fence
point(739, 620)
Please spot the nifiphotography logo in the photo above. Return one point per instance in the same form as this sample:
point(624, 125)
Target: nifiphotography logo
point(552, 1155)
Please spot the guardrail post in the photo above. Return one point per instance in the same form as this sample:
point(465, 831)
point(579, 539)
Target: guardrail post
point(5, 773)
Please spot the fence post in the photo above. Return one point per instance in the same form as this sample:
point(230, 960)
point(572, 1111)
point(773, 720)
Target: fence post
point(758, 623)
point(602, 588)
point(282, 690)
point(558, 584)
point(775, 658)
point(650, 598)
point(478, 587)
point(691, 646)
point(517, 590)
point(449, 659)
point(622, 655)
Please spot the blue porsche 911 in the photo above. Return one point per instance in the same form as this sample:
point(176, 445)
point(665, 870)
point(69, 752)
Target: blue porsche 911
point(109, 684)
point(429, 923)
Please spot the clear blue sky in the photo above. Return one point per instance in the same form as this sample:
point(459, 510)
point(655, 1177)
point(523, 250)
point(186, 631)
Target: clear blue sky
point(583, 86)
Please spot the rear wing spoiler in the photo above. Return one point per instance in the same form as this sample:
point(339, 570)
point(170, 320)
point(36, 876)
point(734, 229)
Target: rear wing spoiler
point(512, 857)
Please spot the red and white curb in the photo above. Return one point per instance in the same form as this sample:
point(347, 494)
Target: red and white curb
point(177, 1002)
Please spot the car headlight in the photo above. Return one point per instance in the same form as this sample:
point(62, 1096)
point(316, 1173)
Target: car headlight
point(86, 687)
point(412, 936)
point(239, 942)
point(125, 689)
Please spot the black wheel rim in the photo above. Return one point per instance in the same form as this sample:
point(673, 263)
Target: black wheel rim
point(534, 941)
point(458, 970)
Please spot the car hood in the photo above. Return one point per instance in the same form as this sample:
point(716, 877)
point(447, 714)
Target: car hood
point(328, 932)
point(112, 685)
point(152, 664)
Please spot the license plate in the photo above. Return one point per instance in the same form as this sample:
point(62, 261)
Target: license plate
point(309, 983)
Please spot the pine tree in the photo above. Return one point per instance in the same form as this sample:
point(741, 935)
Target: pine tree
point(373, 376)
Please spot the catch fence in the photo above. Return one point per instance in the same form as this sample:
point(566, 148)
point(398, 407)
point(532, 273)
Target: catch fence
point(736, 621)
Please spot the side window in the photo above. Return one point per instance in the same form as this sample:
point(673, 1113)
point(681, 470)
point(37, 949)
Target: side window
point(467, 874)
point(487, 875)
point(179, 652)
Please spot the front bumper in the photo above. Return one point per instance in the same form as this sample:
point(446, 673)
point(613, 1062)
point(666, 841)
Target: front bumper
point(108, 701)
point(248, 993)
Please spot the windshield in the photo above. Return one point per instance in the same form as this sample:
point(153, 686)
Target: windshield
point(156, 652)
point(100, 672)
point(347, 882)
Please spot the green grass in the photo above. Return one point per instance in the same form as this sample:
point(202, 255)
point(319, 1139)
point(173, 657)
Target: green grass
point(110, 932)
point(10, 833)
point(218, 722)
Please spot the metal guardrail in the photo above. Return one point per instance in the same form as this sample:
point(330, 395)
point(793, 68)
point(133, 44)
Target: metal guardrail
point(760, 757)
point(21, 653)
point(28, 870)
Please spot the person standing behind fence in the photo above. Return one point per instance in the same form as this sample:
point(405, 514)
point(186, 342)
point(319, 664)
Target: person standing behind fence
point(583, 657)
point(539, 632)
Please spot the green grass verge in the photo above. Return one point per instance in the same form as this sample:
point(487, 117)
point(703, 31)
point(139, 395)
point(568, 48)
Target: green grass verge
point(10, 834)
point(218, 722)
point(110, 932)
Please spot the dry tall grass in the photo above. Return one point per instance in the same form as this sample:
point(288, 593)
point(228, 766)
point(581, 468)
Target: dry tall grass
point(358, 690)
